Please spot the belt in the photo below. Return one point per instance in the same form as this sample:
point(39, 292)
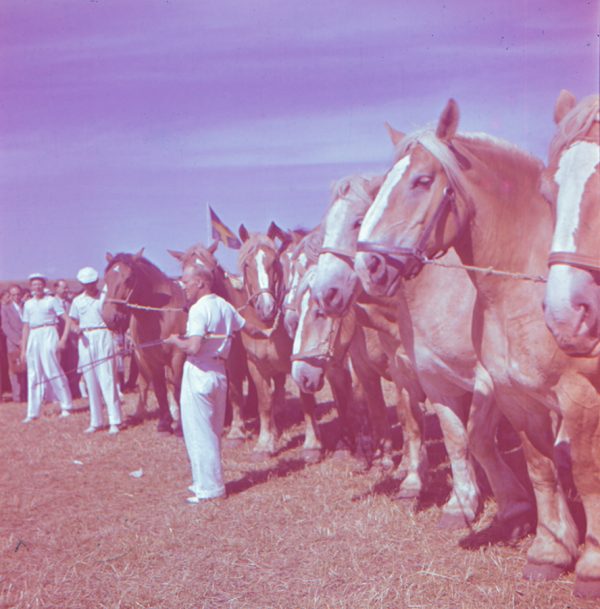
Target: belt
point(42, 326)
point(93, 328)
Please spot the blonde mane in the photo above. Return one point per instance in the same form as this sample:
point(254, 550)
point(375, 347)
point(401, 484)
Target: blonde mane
point(465, 150)
point(310, 245)
point(575, 124)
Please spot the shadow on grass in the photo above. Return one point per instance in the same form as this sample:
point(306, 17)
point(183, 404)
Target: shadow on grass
point(282, 469)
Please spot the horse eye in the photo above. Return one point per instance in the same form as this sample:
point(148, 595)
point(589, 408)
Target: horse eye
point(319, 313)
point(357, 224)
point(423, 180)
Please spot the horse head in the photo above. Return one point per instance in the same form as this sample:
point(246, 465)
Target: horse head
point(120, 285)
point(316, 340)
point(260, 264)
point(572, 299)
point(335, 283)
point(296, 261)
point(420, 209)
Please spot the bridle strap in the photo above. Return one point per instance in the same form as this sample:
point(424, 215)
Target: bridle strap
point(579, 261)
point(318, 358)
point(345, 256)
point(392, 253)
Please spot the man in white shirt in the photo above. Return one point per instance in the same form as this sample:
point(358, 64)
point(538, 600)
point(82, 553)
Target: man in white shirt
point(211, 322)
point(39, 347)
point(96, 352)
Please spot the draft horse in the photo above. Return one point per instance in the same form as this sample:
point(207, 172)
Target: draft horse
point(140, 296)
point(482, 196)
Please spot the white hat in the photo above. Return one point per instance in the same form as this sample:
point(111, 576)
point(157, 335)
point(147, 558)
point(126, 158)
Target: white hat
point(87, 275)
point(37, 276)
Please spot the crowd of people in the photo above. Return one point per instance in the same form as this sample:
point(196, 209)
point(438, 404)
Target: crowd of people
point(55, 347)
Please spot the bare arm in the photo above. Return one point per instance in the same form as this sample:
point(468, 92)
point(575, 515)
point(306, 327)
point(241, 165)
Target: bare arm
point(25, 337)
point(189, 345)
point(63, 339)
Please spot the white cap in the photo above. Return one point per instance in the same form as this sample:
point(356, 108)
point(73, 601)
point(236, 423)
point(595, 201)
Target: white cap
point(37, 276)
point(87, 275)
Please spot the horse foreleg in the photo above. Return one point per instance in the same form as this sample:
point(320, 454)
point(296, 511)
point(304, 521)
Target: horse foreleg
point(165, 420)
point(340, 382)
point(267, 437)
point(237, 430)
point(515, 503)
point(462, 506)
point(312, 447)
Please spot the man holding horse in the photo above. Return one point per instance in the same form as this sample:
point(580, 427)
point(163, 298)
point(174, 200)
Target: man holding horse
point(207, 342)
point(96, 352)
point(40, 346)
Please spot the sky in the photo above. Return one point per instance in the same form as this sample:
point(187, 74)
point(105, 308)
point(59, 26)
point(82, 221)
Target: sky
point(121, 120)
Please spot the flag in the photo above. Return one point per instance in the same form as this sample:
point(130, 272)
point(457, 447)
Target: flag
point(221, 233)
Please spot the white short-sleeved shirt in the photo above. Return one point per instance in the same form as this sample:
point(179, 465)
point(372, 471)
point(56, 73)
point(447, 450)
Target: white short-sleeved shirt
point(87, 311)
point(212, 314)
point(42, 311)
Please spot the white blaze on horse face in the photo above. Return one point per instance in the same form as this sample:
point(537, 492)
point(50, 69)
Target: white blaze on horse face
point(382, 200)
point(301, 263)
point(335, 225)
point(116, 268)
point(575, 168)
point(263, 277)
point(199, 262)
point(303, 312)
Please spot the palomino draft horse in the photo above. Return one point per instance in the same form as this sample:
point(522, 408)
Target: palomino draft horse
point(140, 295)
point(429, 353)
point(572, 302)
point(482, 196)
point(227, 287)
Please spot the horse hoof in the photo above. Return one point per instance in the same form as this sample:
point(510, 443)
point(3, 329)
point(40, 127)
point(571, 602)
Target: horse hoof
point(311, 455)
point(342, 454)
point(260, 456)
point(406, 494)
point(542, 572)
point(450, 522)
point(587, 588)
point(164, 427)
point(233, 442)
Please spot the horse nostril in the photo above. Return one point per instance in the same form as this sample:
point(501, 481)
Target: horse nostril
point(373, 264)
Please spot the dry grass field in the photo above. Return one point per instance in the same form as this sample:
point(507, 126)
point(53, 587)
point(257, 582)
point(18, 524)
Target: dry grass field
point(78, 531)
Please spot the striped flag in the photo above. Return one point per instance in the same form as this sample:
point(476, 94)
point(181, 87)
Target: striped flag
point(221, 233)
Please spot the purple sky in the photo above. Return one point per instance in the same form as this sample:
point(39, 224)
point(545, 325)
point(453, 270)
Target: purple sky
point(121, 119)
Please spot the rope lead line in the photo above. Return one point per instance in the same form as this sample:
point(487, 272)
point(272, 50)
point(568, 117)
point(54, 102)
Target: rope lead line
point(486, 271)
point(121, 352)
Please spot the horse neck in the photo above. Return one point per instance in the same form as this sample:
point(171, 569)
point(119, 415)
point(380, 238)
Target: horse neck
point(510, 226)
point(154, 288)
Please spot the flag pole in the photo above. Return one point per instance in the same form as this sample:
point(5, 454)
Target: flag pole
point(208, 226)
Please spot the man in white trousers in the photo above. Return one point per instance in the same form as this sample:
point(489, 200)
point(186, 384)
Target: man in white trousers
point(211, 322)
point(40, 346)
point(96, 352)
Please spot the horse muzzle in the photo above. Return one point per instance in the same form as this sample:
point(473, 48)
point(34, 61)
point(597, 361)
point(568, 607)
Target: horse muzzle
point(572, 310)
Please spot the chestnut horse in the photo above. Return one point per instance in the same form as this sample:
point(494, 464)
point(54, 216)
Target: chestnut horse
point(482, 196)
point(226, 286)
point(140, 295)
point(431, 353)
point(572, 302)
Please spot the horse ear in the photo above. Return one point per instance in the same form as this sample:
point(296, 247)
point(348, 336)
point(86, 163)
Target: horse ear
point(564, 104)
point(212, 248)
point(177, 255)
point(139, 254)
point(395, 136)
point(448, 123)
point(275, 232)
point(109, 257)
point(243, 233)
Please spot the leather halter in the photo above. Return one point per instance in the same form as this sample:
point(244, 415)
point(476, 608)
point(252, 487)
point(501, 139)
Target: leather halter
point(392, 253)
point(343, 255)
point(317, 358)
point(579, 261)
